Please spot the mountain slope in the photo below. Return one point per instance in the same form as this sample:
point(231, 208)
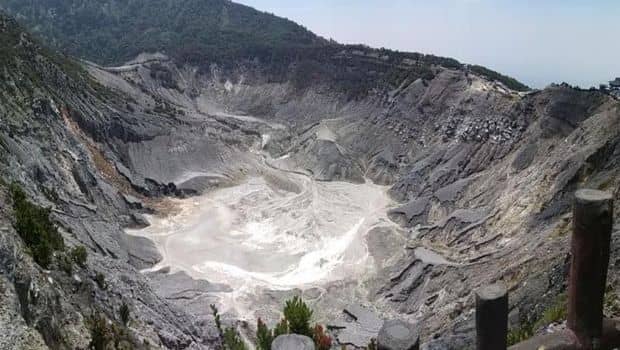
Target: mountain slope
point(202, 32)
point(43, 151)
point(483, 177)
point(113, 32)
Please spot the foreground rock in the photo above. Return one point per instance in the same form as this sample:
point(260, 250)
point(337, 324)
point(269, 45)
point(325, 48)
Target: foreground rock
point(292, 342)
point(398, 335)
point(357, 326)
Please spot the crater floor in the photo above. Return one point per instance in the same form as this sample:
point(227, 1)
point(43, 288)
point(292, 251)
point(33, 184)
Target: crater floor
point(278, 232)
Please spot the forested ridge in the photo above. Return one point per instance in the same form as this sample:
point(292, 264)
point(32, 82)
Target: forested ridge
point(203, 32)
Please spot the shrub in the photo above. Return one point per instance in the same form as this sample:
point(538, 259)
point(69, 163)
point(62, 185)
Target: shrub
point(296, 320)
point(100, 279)
point(321, 340)
point(216, 316)
point(517, 335)
point(281, 328)
point(34, 226)
point(65, 263)
point(79, 255)
point(51, 194)
point(124, 313)
point(556, 312)
point(106, 335)
point(298, 315)
point(264, 336)
point(100, 332)
point(232, 340)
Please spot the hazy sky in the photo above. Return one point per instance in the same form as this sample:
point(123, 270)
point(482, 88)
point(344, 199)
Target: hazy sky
point(536, 41)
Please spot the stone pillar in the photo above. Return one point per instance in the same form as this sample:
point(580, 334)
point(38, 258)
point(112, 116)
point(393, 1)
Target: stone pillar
point(398, 335)
point(592, 225)
point(492, 317)
point(292, 342)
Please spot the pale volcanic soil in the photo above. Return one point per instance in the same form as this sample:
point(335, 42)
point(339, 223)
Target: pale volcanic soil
point(266, 234)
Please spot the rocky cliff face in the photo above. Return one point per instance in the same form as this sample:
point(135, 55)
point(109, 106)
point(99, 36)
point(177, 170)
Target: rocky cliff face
point(60, 166)
point(483, 177)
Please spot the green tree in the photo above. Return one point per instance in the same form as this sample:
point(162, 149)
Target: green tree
point(298, 315)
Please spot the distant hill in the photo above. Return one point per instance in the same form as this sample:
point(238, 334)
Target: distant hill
point(201, 32)
point(112, 32)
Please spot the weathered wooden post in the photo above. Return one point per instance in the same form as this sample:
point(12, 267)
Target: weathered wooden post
point(492, 317)
point(592, 225)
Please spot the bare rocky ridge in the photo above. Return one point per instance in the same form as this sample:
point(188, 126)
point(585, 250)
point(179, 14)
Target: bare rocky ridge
point(483, 177)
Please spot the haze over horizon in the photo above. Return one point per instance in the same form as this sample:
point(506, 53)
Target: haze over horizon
point(536, 42)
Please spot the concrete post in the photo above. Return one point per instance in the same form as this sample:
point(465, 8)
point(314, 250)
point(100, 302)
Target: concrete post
point(492, 317)
point(592, 225)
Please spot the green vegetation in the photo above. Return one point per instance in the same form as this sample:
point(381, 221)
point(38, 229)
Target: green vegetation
point(106, 335)
point(216, 316)
point(298, 315)
point(511, 83)
point(232, 340)
point(230, 337)
point(264, 336)
point(112, 32)
point(65, 263)
point(203, 32)
point(32, 68)
point(100, 332)
point(297, 319)
point(51, 194)
point(124, 313)
point(554, 313)
point(280, 328)
point(34, 226)
point(517, 335)
point(100, 280)
point(79, 255)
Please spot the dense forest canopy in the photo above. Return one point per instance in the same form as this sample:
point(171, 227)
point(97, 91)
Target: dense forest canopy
point(113, 32)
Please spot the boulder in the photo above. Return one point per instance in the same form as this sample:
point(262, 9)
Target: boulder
point(398, 335)
point(292, 342)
